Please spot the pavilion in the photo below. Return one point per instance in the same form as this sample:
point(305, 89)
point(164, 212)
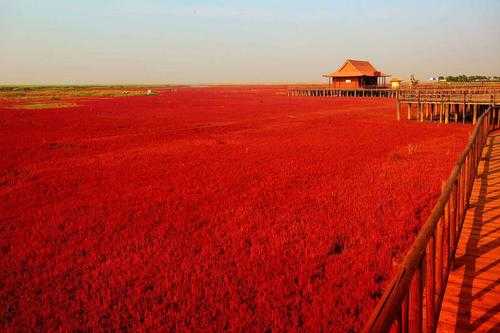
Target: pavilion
point(356, 74)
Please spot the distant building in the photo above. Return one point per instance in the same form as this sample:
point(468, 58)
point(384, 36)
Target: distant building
point(355, 74)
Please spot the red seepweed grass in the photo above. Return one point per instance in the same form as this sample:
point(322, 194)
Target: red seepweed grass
point(210, 209)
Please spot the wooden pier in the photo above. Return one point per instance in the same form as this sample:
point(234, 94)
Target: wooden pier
point(449, 279)
point(333, 92)
point(446, 105)
point(472, 298)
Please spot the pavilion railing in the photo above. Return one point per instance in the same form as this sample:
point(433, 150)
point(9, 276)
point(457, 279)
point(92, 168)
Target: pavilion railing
point(420, 283)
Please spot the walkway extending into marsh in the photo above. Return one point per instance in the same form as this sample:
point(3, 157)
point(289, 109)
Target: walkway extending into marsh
point(472, 298)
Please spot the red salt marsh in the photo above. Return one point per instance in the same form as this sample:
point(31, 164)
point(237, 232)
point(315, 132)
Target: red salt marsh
point(210, 209)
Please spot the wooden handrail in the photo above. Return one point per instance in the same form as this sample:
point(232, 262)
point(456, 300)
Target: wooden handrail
point(485, 96)
point(425, 269)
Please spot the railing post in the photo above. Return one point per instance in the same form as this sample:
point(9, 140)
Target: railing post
point(446, 240)
point(430, 288)
point(419, 107)
point(415, 301)
point(497, 112)
point(464, 108)
point(404, 315)
point(455, 213)
point(439, 256)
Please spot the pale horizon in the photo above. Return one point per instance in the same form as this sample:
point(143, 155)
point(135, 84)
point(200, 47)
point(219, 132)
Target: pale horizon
point(201, 42)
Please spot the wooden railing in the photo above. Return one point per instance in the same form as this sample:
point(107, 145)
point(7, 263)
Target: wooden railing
point(456, 85)
point(329, 91)
point(376, 86)
point(472, 95)
point(412, 301)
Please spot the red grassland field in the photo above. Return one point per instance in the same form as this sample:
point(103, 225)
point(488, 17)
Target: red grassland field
point(209, 209)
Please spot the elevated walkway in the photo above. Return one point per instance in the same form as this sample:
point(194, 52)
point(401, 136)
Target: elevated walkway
point(472, 298)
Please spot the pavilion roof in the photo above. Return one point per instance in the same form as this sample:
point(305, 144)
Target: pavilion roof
point(353, 68)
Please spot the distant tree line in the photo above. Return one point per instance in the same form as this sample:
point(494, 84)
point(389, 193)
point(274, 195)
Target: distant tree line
point(469, 78)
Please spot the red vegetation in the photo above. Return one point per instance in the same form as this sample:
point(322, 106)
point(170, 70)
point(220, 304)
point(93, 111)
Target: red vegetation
point(210, 209)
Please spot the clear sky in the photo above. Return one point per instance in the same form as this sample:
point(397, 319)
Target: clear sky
point(162, 41)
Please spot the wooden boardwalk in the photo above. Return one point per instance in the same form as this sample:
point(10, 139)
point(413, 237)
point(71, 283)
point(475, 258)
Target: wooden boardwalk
point(328, 91)
point(472, 298)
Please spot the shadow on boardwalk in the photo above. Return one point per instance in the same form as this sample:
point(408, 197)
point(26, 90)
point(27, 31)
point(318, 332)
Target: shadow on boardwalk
point(472, 299)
